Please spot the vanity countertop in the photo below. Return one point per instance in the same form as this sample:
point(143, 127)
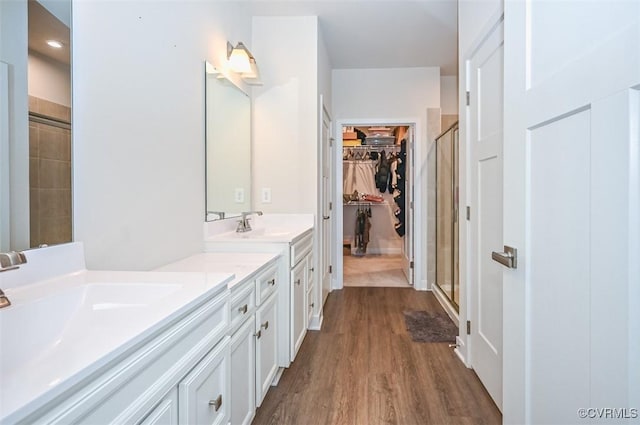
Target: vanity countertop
point(279, 228)
point(242, 265)
point(60, 331)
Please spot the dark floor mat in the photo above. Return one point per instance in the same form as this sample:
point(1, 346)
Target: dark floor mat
point(430, 327)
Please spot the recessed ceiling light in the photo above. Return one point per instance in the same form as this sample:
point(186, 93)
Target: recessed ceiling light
point(55, 44)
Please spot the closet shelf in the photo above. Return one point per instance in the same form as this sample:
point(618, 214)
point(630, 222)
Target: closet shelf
point(365, 203)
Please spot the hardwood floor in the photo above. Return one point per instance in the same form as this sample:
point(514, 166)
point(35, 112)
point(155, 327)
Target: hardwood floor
point(363, 368)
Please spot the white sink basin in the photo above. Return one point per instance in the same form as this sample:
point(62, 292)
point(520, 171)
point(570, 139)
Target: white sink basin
point(58, 328)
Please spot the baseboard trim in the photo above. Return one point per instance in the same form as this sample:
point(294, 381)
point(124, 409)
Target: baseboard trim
point(316, 322)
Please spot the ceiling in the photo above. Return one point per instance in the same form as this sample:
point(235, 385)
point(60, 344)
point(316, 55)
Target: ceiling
point(44, 26)
point(378, 33)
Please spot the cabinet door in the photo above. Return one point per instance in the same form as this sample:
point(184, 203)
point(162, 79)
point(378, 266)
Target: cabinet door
point(298, 307)
point(310, 289)
point(203, 394)
point(266, 347)
point(243, 376)
point(166, 412)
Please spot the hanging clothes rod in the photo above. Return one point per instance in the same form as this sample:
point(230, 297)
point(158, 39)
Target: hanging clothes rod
point(372, 148)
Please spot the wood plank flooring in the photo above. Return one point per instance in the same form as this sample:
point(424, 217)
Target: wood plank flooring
point(374, 270)
point(363, 368)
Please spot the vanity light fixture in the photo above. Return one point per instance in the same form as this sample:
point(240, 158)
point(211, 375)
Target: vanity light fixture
point(242, 61)
point(55, 44)
point(239, 57)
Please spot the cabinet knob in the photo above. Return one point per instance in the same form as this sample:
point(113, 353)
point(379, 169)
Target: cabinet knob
point(312, 269)
point(258, 334)
point(217, 403)
point(243, 309)
point(272, 282)
point(297, 281)
point(265, 325)
point(312, 305)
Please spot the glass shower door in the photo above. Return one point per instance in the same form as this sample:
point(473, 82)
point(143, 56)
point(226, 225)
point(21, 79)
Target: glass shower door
point(447, 275)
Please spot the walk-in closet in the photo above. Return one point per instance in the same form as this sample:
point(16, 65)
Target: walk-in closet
point(374, 161)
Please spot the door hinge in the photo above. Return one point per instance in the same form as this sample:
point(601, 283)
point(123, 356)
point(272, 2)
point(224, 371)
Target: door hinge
point(411, 204)
point(330, 269)
point(468, 213)
point(330, 206)
point(411, 264)
point(468, 98)
point(331, 139)
point(468, 327)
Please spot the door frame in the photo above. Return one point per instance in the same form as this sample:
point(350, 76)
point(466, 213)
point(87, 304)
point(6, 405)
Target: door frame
point(419, 179)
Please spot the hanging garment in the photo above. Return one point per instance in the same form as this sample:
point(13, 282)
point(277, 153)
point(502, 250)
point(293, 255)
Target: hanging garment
point(382, 174)
point(394, 176)
point(358, 176)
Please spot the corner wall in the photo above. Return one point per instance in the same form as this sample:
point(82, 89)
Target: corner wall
point(285, 114)
point(138, 113)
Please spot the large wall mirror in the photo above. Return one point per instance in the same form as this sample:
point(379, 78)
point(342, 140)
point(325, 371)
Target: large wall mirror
point(35, 185)
point(228, 147)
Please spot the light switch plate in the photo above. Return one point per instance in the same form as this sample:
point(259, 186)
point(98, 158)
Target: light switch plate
point(239, 195)
point(266, 195)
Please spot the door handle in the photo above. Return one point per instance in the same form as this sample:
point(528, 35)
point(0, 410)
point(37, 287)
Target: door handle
point(508, 258)
point(326, 217)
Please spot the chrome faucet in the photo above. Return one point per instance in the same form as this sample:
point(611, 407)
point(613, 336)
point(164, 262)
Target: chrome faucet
point(4, 301)
point(9, 261)
point(243, 223)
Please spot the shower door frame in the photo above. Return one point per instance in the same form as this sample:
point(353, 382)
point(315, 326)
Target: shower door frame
point(455, 236)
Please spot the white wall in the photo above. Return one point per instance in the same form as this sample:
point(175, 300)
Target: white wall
point(473, 16)
point(449, 95)
point(324, 72)
point(138, 113)
point(285, 113)
point(49, 80)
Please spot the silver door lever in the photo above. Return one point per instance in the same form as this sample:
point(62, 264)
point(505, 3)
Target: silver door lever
point(508, 258)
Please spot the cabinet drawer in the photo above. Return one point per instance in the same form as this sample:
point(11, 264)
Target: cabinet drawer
point(266, 284)
point(301, 248)
point(242, 307)
point(203, 395)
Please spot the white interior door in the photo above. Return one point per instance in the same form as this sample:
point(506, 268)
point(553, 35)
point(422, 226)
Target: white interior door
point(485, 147)
point(572, 112)
point(407, 240)
point(327, 196)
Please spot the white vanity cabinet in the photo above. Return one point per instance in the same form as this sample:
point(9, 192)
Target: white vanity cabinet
point(296, 259)
point(203, 395)
point(254, 349)
point(170, 377)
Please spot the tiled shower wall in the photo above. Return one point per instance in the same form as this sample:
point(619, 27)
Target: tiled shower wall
point(49, 175)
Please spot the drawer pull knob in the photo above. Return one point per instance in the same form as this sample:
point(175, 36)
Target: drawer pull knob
point(217, 403)
point(312, 305)
point(272, 282)
point(243, 309)
point(265, 325)
point(258, 334)
point(311, 269)
point(297, 281)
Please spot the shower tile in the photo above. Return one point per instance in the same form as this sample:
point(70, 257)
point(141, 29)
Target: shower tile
point(34, 137)
point(54, 230)
point(55, 202)
point(55, 174)
point(34, 173)
point(55, 144)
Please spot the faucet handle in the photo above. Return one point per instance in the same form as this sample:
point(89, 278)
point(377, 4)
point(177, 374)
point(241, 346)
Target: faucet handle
point(11, 260)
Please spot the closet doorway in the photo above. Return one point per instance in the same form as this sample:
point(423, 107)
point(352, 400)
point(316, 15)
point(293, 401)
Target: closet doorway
point(376, 190)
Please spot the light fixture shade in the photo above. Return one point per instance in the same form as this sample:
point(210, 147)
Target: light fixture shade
point(239, 59)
